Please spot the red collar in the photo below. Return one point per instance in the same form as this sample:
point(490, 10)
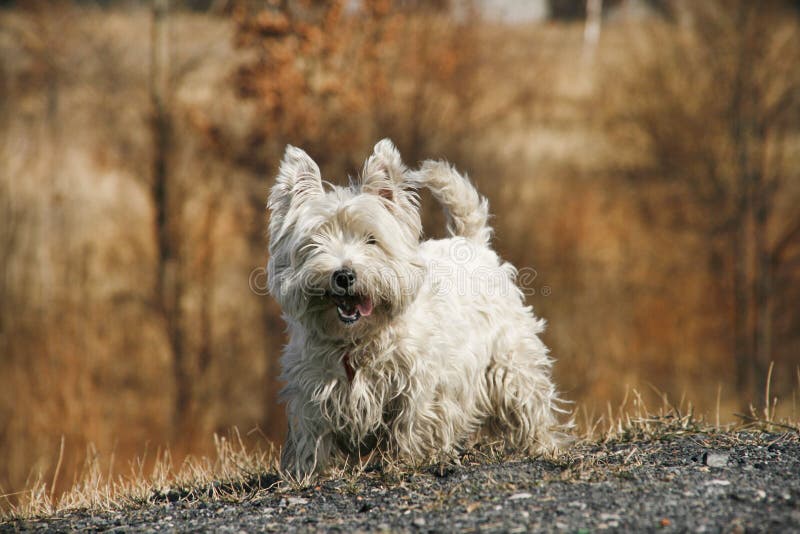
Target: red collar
point(348, 368)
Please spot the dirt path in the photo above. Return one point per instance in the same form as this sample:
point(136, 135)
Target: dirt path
point(702, 482)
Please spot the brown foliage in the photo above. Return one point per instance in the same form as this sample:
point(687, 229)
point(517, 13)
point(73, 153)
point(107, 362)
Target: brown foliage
point(334, 79)
point(705, 115)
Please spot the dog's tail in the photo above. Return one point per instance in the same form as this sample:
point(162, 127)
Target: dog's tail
point(467, 211)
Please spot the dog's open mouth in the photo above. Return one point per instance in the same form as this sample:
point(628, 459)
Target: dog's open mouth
point(351, 308)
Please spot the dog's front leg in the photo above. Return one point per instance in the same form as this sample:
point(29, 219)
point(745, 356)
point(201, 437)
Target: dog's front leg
point(308, 443)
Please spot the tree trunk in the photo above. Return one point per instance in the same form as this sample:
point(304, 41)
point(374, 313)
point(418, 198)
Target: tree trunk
point(741, 306)
point(763, 286)
point(741, 125)
point(591, 30)
point(206, 275)
point(169, 289)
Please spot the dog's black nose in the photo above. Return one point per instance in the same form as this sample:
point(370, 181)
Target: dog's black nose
point(343, 279)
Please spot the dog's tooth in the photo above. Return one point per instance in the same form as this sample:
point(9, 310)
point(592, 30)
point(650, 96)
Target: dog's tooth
point(348, 318)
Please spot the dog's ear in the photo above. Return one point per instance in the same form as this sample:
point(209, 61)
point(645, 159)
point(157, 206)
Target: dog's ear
point(384, 173)
point(298, 179)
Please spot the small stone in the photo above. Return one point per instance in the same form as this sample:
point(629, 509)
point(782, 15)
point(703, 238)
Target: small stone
point(761, 495)
point(419, 522)
point(665, 522)
point(518, 496)
point(717, 459)
point(718, 482)
point(296, 501)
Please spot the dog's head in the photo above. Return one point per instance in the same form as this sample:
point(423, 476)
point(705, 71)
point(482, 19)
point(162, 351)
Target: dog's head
point(343, 261)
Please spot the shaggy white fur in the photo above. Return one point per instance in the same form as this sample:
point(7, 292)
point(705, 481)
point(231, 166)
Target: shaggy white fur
point(409, 346)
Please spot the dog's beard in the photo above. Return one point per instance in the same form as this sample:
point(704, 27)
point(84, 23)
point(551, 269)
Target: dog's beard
point(382, 293)
point(343, 316)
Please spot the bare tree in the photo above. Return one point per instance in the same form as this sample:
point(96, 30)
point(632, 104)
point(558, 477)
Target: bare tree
point(714, 105)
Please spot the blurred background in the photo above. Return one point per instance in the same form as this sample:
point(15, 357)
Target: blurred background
point(643, 156)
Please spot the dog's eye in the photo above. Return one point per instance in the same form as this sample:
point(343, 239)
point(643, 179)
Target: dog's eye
point(371, 240)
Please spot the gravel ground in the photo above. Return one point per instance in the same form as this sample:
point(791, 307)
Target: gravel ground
point(735, 482)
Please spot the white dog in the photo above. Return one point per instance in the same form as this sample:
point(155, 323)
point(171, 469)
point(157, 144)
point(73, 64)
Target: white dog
point(409, 346)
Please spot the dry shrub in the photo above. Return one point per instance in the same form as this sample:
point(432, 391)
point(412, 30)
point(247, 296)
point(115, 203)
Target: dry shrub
point(701, 113)
point(334, 79)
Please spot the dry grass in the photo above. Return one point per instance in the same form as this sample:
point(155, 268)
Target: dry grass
point(237, 472)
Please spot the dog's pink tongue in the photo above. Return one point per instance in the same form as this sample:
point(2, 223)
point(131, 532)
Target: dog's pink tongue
point(365, 307)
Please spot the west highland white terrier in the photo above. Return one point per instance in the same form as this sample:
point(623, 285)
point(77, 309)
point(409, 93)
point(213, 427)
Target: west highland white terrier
point(407, 346)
